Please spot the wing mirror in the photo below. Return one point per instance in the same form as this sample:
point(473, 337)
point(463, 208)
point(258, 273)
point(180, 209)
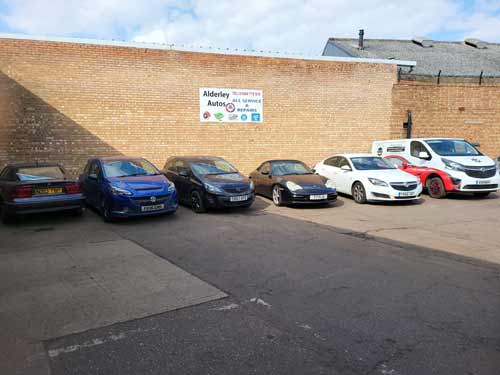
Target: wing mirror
point(346, 168)
point(92, 177)
point(265, 173)
point(424, 155)
point(184, 173)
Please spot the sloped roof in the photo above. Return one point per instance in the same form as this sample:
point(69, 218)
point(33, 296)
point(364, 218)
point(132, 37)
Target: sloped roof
point(452, 58)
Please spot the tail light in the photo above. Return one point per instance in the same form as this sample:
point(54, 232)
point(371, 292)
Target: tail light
point(22, 192)
point(72, 189)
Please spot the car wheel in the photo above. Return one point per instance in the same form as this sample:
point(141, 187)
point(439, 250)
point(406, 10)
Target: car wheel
point(435, 188)
point(359, 193)
point(106, 216)
point(482, 194)
point(197, 204)
point(277, 196)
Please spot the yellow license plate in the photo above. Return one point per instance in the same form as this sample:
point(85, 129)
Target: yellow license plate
point(49, 191)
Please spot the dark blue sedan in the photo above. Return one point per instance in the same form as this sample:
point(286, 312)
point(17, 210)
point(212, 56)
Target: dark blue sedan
point(120, 187)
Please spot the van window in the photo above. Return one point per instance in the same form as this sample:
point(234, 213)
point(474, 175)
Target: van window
point(452, 147)
point(417, 147)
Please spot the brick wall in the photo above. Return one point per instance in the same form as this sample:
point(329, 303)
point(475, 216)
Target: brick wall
point(460, 110)
point(66, 102)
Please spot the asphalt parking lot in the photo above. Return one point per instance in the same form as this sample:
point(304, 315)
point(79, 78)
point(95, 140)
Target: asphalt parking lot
point(344, 289)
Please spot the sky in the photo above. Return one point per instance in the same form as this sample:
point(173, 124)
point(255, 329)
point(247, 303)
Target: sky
point(293, 26)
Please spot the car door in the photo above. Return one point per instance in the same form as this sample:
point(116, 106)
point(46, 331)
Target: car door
point(266, 179)
point(183, 179)
point(416, 147)
point(91, 183)
point(344, 177)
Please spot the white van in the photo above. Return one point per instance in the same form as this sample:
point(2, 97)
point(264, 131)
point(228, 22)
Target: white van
point(471, 171)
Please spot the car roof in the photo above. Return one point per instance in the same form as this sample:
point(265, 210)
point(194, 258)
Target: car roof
point(195, 158)
point(117, 158)
point(31, 165)
point(281, 160)
point(419, 139)
point(354, 155)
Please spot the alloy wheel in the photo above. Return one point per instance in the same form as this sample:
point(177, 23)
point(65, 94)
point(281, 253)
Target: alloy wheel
point(277, 196)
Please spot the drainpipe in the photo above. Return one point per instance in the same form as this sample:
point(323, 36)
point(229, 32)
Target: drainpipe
point(407, 125)
point(361, 40)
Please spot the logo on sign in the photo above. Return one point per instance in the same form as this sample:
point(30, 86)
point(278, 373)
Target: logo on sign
point(233, 117)
point(219, 116)
point(255, 116)
point(206, 115)
point(244, 117)
point(230, 107)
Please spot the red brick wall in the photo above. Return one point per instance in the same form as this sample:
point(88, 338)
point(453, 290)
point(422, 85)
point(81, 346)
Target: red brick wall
point(66, 102)
point(458, 110)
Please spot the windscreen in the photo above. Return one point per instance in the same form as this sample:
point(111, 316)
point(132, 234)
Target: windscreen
point(452, 147)
point(212, 167)
point(129, 168)
point(283, 168)
point(371, 163)
point(40, 173)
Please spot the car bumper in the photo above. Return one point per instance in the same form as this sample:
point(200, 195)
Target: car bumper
point(223, 201)
point(35, 205)
point(304, 197)
point(390, 194)
point(473, 185)
point(125, 207)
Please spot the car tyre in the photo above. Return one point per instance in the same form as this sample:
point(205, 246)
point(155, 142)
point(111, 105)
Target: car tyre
point(197, 204)
point(277, 200)
point(482, 194)
point(435, 188)
point(104, 209)
point(359, 193)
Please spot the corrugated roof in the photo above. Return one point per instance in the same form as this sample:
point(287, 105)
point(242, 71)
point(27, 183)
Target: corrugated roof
point(452, 58)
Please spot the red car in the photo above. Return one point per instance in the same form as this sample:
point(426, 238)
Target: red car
point(437, 182)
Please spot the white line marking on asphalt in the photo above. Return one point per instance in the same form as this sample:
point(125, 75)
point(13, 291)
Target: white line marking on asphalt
point(260, 302)
point(94, 342)
point(227, 307)
point(305, 326)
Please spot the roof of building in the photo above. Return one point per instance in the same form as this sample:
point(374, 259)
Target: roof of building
point(211, 50)
point(460, 59)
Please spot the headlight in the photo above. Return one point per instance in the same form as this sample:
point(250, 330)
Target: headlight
point(252, 185)
point(119, 191)
point(292, 186)
point(330, 184)
point(377, 182)
point(453, 165)
point(213, 189)
point(171, 188)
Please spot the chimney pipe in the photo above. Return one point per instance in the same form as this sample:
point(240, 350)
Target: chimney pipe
point(361, 39)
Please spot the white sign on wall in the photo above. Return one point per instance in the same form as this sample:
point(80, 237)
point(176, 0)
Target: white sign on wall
point(231, 105)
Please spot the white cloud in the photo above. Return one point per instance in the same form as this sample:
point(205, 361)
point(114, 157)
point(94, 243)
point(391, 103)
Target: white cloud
point(284, 25)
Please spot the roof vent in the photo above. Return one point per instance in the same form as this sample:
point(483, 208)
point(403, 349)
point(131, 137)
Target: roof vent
point(476, 43)
point(422, 42)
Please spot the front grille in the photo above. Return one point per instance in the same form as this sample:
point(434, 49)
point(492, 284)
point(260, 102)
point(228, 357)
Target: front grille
point(481, 172)
point(480, 187)
point(147, 200)
point(401, 186)
point(236, 189)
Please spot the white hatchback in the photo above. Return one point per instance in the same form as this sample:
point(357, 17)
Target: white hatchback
point(368, 177)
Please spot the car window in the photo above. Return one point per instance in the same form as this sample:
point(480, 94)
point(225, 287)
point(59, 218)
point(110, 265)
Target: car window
point(332, 162)
point(371, 163)
point(265, 168)
point(343, 161)
point(397, 162)
point(129, 168)
point(214, 167)
point(452, 147)
point(40, 173)
point(416, 148)
point(94, 169)
point(290, 167)
point(4, 175)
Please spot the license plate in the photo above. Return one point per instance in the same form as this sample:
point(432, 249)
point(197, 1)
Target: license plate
point(49, 191)
point(318, 197)
point(239, 198)
point(483, 182)
point(406, 194)
point(155, 207)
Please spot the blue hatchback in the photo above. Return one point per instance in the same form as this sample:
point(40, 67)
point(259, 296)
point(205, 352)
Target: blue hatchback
point(126, 187)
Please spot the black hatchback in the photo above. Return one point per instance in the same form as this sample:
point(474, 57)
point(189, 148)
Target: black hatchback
point(204, 182)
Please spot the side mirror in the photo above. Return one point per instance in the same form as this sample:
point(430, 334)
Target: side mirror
point(264, 173)
point(92, 177)
point(184, 173)
point(346, 168)
point(424, 155)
